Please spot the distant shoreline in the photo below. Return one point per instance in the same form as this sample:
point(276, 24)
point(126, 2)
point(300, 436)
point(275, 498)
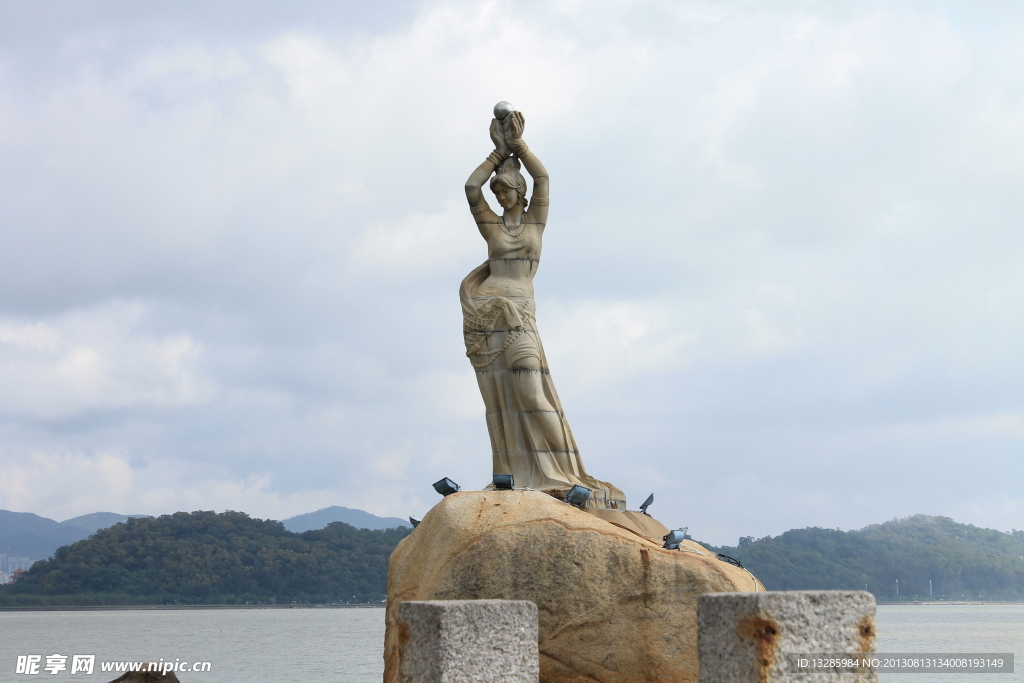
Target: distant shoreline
point(107, 608)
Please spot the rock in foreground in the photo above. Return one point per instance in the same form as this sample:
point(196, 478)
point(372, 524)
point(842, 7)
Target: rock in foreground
point(144, 675)
point(613, 606)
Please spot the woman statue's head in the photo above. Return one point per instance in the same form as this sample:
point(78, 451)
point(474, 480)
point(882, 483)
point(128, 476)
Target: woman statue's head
point(509, 178)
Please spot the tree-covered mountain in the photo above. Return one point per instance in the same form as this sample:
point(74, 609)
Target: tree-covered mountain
point(209, 558)
point(962, 561)
point(29, 535)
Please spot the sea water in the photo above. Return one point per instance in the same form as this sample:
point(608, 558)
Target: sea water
point(935, 628)
point(346, 645)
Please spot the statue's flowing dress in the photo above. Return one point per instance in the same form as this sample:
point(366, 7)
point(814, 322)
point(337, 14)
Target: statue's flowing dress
point(530, 439)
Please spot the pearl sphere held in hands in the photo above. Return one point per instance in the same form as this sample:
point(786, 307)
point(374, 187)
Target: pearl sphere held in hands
point(502, 109)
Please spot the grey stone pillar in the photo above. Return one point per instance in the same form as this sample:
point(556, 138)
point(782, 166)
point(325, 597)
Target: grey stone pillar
point(754, 637)
point(451, 641)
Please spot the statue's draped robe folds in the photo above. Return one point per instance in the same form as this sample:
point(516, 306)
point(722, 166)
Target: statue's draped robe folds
point(535, 446)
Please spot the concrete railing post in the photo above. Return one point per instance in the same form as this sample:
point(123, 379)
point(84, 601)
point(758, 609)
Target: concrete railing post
point(456, 641)
point(754, 637)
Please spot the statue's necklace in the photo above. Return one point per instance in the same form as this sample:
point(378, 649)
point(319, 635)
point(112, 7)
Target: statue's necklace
point(513, 232)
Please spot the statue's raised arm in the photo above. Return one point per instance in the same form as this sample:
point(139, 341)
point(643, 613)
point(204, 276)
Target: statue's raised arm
point(538, 210)
point(474, 194)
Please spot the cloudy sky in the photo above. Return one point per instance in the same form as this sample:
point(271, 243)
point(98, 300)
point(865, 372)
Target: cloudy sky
point(782, 284)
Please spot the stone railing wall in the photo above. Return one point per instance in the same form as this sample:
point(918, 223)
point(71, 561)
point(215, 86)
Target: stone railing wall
point(741, 637)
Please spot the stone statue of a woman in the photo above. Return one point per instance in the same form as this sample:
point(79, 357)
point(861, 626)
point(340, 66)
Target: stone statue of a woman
point(530, 437)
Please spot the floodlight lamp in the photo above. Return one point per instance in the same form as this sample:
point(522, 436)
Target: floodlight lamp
point(415, 522)
point(673, 539)
point(503, 482)
point(731, 560)
point(577, 495)
point(647, 504)
point(446, 487)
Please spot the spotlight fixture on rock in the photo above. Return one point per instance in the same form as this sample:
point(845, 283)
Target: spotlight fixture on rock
point(578, 495)
point(731, 560)
point(503, 482)
point(673, 539)
point(446, 487)
point(647, 504)
point(415, 522)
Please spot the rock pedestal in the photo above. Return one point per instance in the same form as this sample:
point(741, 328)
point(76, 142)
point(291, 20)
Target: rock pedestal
point(614, 606)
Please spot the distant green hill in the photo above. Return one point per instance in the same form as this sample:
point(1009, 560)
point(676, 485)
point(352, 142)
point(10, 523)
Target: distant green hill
point(209, 558)
point(231, 558)
point(23, 533)
point(27, 534)
point(360, 519)
point(95, 521)
point(961, 560)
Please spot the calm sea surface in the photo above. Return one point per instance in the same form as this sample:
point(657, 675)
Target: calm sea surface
point(952, 629)
point(346, 645)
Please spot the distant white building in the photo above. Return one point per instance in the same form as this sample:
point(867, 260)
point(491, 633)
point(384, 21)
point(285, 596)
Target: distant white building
point(5, 578)
point(16, 562)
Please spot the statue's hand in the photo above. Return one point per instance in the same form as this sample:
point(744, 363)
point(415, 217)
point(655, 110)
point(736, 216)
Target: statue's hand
point(517, 124)
point(498, 139)
point(495, 132)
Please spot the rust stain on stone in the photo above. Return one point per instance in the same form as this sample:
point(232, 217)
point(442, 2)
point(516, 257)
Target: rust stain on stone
point(403, 634)
point(645, 564)
point(867, 634)
point(763, 633)
point(392, 654)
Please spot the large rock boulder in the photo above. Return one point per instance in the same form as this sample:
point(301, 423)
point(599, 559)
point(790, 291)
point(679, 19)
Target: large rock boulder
point(614, 606)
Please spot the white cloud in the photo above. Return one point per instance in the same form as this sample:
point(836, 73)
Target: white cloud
point(601, 343)
point(416, 243)
point(70, 484)
point(95, 361)
point(973, 427)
